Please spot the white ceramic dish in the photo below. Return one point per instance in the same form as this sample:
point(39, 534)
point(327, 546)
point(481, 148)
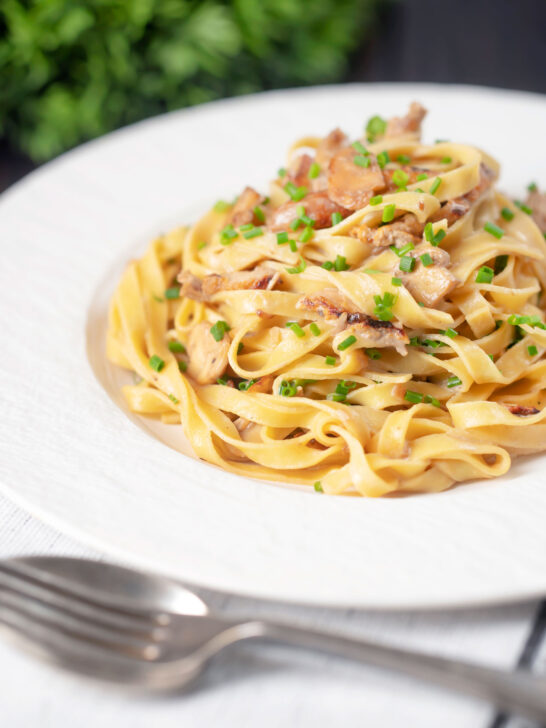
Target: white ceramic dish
point(72, 457)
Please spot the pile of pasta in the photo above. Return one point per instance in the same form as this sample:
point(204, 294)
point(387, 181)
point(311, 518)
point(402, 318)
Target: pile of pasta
point(318, 353)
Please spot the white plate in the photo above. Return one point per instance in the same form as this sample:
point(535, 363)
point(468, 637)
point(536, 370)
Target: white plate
point(73, 458)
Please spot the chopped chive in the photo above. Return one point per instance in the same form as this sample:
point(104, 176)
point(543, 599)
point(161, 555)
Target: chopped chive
point(494, 230)
point(176, 346)
point(158, 298)
point(295, 193)
point(240, 347)
point(221, 206)
point(384, 305)
point(438, 237)
point(246, 226)
point(174, 399)
point(219, 329)
point(377, 200)
point(383, 158)
point(182, 365)
point(306, 220)
point(432, 400)
point(507, 213)
point(361, 160)
point(295, 224)
point(446, 160)
point(453, 381)
point(413, 397)
point(340, 263)
point(259, 214)
point(435, 185)
point(328, 265)
point(282, 172)
point(202, 244)
point(418, 189)
point(485, 274)
point(426, 259)
point(307, 234)
point(403, 250)
point(300, 210)
point(346, 343)
point(420, 303)
point(375, 127)
point(532, 187)
point(330, 361)
point(282, 238)
point(501, 261)
point(415, 341)
point(396, 281)
point(360, 148)
point(318, 487)
point(388, 212)
point(244, 386)
point(172, 293)
point(296, 328)
point(523, 207)
point(314, 170)
point(422, 176)
point(451, 333)
point(371, 271)
point(373, 354)
point(403, 159)
point(228, 235)
point(299, 268)
point(314, 329)
point(156, 362)
point(407, 264)
point(400, 178)
point(532, 350)
point(336, 397)
point(293, 246)
point(254, 233)
point(337, 217)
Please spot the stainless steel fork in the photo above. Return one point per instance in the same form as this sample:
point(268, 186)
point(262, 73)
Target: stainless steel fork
point(145, 631)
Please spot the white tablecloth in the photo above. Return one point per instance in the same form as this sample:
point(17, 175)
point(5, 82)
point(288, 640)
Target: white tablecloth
point(263, 687)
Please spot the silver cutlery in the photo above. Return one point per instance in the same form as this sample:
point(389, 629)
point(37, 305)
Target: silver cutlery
point(151, 633)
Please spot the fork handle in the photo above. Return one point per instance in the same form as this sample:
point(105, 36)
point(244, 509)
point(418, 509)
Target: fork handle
point(518, 691)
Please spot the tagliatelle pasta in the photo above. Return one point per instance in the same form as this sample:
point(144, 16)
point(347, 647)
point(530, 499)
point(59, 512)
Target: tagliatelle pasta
point(372, 326)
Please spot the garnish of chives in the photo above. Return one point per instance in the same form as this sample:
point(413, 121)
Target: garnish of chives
point(396, 281)
point(507, 213)
point(296, 328)
point(383, 158)
point(361, 160)
point(388, 212)
point(330, 361)
point(446, 160)
point(219, 329)
point(314, 170)
point(485, 274)
point(240, 347)
point(377, 200)
point(426, 259)
point(422, 176)
point(293, 246)
point(340, 263)
point(400, 178)
point(337, 217)
point(254, 233)
point(182, 365)
point(413, 397)
point(384, 305)
point(360, 148)
point(407, 263)
point(371, 271)
point(282, 238)
point(346, 343)
point(246, 226)
point(156, 363)
point(202, 244)
point(532, 187)
point(327, 265)
point(451, 333)
point(295, 224)
point(532, 350)
point(282, 172)
point(438, 237)
point(307, 234)
point(375, 127)
point(174, 399)
point(295, 193)
point(300, 210)
point(494, 230)
point(501, 261)
point(403, 159)
point(299, 268)
point(373, 354)
point(432, 400)
point(336, 397)
point(453, 381)
point(158, 298)
point(318, 487)
point(314, 329)
point(435, 185)
point(172, 293)
point(259, 214)
point(523, 207)
point(228, 235)
point(176, 346)
point(221, 206)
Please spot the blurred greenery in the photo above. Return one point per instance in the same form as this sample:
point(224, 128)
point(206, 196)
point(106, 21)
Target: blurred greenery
point(72, 70)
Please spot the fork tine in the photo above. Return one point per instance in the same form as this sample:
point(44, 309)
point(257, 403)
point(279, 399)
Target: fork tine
point(31, 614)
point(72, 603)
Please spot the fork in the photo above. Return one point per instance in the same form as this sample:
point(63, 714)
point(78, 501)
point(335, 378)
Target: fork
point(145, 631)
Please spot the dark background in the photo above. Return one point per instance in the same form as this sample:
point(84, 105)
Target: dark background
point(489, 42)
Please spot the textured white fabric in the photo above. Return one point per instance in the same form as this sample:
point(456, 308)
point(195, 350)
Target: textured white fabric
point(265, 686)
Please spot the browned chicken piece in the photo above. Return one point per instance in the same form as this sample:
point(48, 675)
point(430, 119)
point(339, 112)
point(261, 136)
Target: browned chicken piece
point(328, 146)
point(208, 358)
point(521, 411)
point(408, 124)
point(429, 284)
point(243, 210)
point(318, 206)
point(261, 277)
point(263, 384)
point(298, 172)
point(350, 185)
point(537, 202)
point(330, 305)
point(407, 229)
point(454, 209)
